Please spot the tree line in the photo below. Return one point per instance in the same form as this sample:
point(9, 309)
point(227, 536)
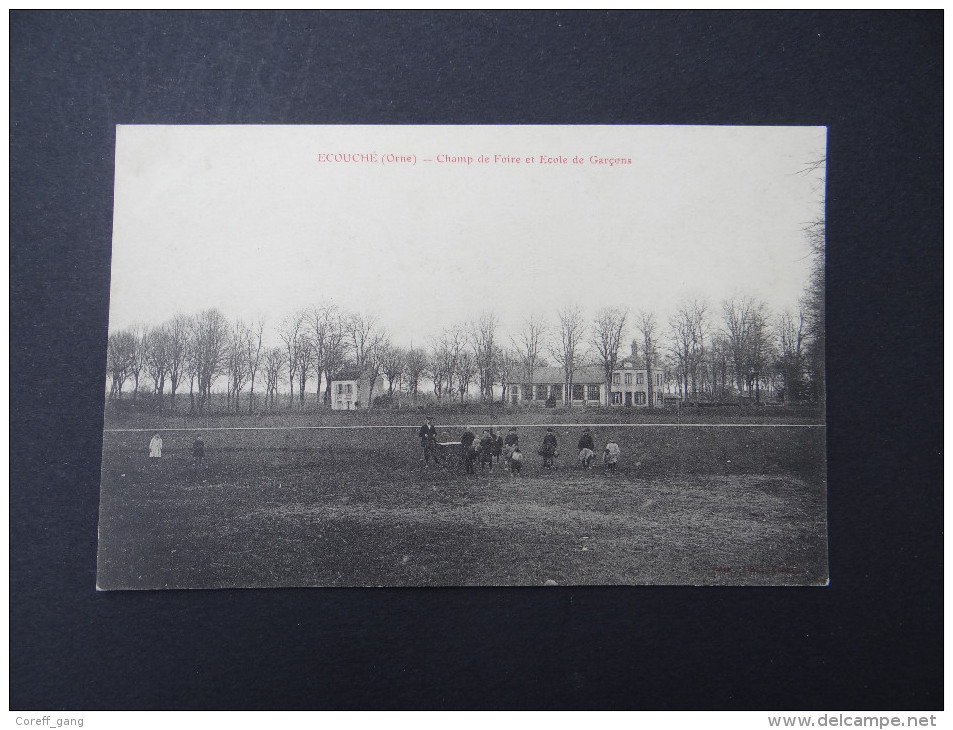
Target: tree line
point(704, 352)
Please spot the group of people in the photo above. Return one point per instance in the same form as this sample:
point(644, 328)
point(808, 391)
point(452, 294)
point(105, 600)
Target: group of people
point(492, 448)
point(587, 452)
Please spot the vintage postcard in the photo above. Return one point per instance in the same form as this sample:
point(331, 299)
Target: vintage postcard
point(465, 356)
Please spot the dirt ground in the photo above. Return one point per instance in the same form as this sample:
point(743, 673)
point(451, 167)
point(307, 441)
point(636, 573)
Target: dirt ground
point(688, 506)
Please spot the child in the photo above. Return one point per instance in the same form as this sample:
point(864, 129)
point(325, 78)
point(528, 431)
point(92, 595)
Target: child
point(610, 456)
point(587, 450)
point(198, 451)
point(549, 450)
point(516, 460)
point(586, 457)
point(509, 445)
point(155, 449)
point(497, 445)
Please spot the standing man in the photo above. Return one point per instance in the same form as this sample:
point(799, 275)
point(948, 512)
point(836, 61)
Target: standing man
point(467, 449)
point(487, 444)
point(428, 439)
point(497, 445)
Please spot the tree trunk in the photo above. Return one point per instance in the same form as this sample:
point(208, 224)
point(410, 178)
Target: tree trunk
point(650, 386)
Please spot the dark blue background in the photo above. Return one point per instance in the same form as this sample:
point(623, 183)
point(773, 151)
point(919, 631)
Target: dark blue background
point(873, 639)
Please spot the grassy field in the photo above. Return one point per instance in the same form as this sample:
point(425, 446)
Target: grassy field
point(691, 505)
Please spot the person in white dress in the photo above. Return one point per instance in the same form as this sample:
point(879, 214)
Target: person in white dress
point(155, 447)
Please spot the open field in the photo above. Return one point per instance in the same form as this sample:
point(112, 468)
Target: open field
point(356, 507)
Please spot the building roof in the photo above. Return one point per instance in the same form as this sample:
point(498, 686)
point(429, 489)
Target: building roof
point(583, 375)
point(556, 375)
point(350, 374)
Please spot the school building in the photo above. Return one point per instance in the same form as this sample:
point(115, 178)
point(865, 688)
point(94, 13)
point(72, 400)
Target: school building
point(629, 387)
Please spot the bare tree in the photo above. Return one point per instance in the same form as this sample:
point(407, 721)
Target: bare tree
point(717, 367)
point(436, 368)
point(467, 370)
point(374, 363)
point(254, 356)
point(291, 333)
point(368, 342)
point(445, 360)
point(274, 370)
point(334, 354)
point(745, 322)
point(306, 364)
point(689, 330)
point(209, 350)
point(393, 365)
point(813, 305)
point(139, 356)
point(506, 363)
point(239, 367)
point(647, 327)
point(415, 368)
point(790, 365)
point(157, 359)
point(566, 347)
point(120, 354)
point(326, 334)
point(528, 346)
point(365, 337)
point(485, 347)
point(607, 334)
point(178, 343)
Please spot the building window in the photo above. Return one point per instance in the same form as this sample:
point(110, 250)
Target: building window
point(658, 378)
point(557, 392)
point(349, 389)
point(592, 392)
point(617, 399)
point(540, 392)
point(527, 392)
point(578, 392)
point(639, 398)
point(340, 390)
point(628, 378)
point(616, 378)
point(658, 397)
point(640, 378)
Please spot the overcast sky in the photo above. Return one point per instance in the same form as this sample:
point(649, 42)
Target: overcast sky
point(249, 219)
